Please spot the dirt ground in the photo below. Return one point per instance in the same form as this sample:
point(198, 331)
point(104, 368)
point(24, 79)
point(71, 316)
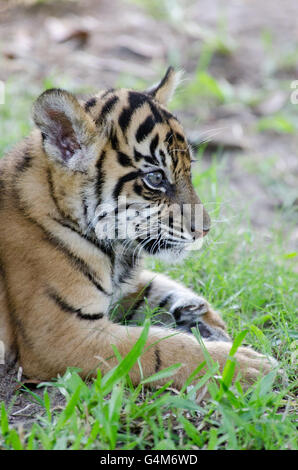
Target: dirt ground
point(95, 42)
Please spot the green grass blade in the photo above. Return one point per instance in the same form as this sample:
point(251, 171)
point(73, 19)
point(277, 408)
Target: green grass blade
point(163, 374)
point(117, 373)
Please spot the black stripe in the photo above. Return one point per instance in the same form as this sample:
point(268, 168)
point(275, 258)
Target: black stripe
point(52, 193)
point(60, 245)
point(107, 92)
point(151, 160)
point(125, 179)
point(138, 188)
point(145, 128)
point(154, 144)
point(169, 138)
point(179, 137)
point(177, 314)
point(137, 155)
point(167, 115)
point(25, 163)
point(85, 209)
point(101, 245)
point(101, 176)
point(128, 269)
point(136, 100)
point(107, 249)
point(90, 316)
point(65, 223)
point(144, 294)
point(114, 140)
point(155, 112)
point(80, 264)
point(90, 103)
point(63, 305)
point(126, 276)
point(148, 198)
point(124, 119)
point(175, 159)
point(106, 109)
point(163, 157)
point(164, 301)
point(124, 159)
point(61, 212)
point(157, 359)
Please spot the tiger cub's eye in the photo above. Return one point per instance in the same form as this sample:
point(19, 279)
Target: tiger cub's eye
point(154, 179)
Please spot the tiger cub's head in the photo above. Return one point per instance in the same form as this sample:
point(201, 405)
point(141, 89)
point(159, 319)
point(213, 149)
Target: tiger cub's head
point(133, 164)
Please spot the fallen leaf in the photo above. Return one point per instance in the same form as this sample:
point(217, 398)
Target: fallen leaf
point(64, 31)
point(128, 45)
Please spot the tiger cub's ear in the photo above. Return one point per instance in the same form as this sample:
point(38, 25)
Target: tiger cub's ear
point(164, 90)
point(69, 134)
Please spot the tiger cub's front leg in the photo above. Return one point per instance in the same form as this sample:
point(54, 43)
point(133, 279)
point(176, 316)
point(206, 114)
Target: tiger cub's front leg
point(182, 307)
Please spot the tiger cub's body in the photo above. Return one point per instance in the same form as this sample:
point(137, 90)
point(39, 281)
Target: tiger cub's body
point(63, 287)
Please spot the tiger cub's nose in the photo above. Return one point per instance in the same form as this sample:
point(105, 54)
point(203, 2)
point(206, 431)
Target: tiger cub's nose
point(199, 233)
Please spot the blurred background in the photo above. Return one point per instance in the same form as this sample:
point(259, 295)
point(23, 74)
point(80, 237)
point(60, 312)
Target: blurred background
point(236, 101)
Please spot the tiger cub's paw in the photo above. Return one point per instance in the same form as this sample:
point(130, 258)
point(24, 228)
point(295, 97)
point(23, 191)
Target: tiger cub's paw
point(249, 363)
point(196, 312)
point(253, 364)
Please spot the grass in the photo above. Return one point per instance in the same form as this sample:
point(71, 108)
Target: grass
point(249, 279)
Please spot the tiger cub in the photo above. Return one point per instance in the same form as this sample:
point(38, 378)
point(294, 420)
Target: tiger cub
point(71, 287)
